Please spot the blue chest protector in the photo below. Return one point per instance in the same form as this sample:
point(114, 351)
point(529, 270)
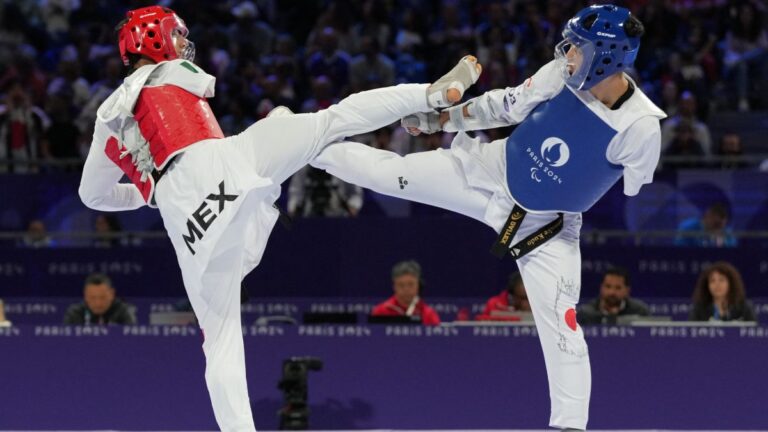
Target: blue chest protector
point(556, 157)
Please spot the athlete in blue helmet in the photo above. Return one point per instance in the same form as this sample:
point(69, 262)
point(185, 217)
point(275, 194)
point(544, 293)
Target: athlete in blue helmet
point(582, 125)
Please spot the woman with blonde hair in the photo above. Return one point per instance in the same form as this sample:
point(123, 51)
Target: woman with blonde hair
point(719, 296)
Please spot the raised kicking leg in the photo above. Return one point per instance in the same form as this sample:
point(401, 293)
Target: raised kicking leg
point(432, 177)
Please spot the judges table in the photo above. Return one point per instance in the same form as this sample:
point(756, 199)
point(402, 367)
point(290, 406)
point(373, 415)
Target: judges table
point(383, 377)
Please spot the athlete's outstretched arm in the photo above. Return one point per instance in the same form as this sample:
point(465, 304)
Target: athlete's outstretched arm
point(493, 109)
point(100, 187)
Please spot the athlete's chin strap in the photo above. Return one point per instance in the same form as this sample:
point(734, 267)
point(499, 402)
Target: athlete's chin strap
point(503, 244)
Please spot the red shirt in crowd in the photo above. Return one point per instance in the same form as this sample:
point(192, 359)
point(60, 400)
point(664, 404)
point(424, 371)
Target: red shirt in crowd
point(391, 307)
point(498, 303)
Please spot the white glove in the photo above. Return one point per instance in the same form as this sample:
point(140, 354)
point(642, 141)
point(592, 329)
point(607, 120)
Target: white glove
point(428, 123)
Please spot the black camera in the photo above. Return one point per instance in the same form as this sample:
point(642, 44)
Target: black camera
point(294, 415)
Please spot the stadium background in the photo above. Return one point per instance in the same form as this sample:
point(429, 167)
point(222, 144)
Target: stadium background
point(58, 61)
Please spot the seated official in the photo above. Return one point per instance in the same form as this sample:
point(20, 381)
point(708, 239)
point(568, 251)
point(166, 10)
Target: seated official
point(712, 226)
point(100, 305)
point(720, 296)
point(614, 301)
point(406, 301)
point(508, 305)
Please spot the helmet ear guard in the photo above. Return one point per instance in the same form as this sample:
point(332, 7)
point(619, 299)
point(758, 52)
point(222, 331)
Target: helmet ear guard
point(605, 46)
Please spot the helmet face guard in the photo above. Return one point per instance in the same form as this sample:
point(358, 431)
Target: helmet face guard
point(188, 52)
point(600, 46)
point(576, 69)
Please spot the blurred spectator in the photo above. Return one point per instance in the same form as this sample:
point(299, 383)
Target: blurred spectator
point(113, 76)
point(712, 227)
point(730, 150)
point(277, 91)
point(512, 299)
point(371, 69)
point(70, 85)
point(314, 192)
point(452, 33)
point(100, 305)
point(24, 70)
point(745, 51)
point(109, 233)
point(238, 118)
point(409, 68)
point(409, 35)
point(614, 300)
point(62, 137)
point(496, 29)
point(107, 229)
point(719, 296)
point(330, 61)
point(407, 285)
point(670, 129)
point(322, 95)
point(499, 71)
point(36, 236)
point(55, 15)
point(286, 55)
point(373, 24)
point(684, 144)
point(537, 35)
point(22, 126)
point(250, 30)
point(3, 321)
point(670, 98)
point(690, 76)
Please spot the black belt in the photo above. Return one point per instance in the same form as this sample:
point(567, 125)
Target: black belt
point(157, 175)
point(503, 245)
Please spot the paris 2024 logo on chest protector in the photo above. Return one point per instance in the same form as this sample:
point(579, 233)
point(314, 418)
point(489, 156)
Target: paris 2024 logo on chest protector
point(554, 153)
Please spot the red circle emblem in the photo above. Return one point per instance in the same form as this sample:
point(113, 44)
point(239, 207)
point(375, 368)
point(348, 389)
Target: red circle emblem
point(570, 318)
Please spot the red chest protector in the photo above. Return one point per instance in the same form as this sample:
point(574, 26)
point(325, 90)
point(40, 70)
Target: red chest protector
point(170, 119)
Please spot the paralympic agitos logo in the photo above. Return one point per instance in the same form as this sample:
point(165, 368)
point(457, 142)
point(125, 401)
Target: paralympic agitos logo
point(554, 153)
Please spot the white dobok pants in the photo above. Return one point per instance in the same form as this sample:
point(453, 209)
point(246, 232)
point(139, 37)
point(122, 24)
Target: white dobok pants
point(470, 179)
point(216, 203)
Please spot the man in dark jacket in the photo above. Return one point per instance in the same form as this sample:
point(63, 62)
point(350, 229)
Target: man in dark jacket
point(614, 300)
point(100, 305)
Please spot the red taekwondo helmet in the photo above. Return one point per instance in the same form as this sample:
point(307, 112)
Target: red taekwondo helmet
point(152, 32)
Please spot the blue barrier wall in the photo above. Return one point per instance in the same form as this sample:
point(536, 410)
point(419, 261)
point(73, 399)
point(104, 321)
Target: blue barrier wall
point(151, 378)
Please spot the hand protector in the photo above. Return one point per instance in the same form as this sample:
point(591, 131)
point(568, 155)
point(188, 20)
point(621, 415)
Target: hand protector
point(461, 77)
point(428, 123)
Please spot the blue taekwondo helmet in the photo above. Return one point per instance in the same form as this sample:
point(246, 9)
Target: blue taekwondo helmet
point(599, 35)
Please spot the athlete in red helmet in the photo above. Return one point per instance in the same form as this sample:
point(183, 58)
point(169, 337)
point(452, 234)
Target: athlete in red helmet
point(216, 194)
